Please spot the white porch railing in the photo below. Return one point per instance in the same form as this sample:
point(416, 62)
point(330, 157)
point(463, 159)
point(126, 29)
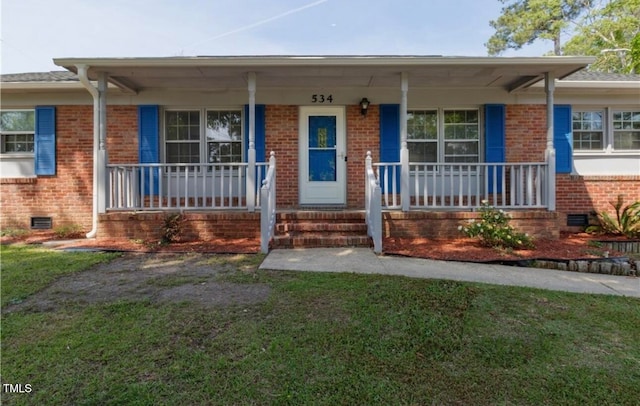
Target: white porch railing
point(180, 186)
point(373, 207)
point(465, 186)
point(268, 206)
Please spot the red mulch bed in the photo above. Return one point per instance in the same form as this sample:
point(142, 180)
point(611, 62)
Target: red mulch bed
point(569, 246)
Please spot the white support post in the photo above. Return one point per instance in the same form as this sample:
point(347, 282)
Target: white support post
point(404, 150)
point(550, 152)
point(251, 151)
point(103, 190)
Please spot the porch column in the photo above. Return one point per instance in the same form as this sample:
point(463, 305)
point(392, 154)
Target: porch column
point(103, 191)
point(550, 152)
point(404, 151)
point(251, 152)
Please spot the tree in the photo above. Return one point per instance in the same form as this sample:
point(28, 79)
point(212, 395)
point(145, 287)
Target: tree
point(607, 29)
point(524, 21)
point(612, 34)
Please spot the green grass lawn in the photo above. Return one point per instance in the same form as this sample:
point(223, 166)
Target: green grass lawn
point(322, 339)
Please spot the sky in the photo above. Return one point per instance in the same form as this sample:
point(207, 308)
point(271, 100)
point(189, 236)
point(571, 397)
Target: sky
point(33, 32)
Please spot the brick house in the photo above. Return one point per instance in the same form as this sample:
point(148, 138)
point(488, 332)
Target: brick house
point(114, 144)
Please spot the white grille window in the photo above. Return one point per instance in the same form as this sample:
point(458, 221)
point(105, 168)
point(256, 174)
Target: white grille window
point(17, 128)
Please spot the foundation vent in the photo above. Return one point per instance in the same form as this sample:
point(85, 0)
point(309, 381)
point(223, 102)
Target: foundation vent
point(579, 220)
point(41, 223)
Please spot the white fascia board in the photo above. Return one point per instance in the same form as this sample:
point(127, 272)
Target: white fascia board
point(253, 61)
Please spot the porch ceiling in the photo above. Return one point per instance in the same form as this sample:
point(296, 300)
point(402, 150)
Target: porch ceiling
point(229, 72)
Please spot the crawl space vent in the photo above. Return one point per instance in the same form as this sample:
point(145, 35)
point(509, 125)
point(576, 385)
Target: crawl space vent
point(41, 223)
point(580, 220)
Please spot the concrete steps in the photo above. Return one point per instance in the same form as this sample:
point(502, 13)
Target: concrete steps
point(313, 229)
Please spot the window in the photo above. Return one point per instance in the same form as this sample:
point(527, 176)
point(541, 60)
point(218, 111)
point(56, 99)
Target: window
point(626, 130)
point(443, 135)
point(588, 130)
point(17, 128)
point(224, 136)
point(606, 130)
point(422, 136)
point(189, 140)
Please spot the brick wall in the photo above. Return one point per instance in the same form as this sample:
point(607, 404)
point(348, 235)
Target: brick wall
point(444, 224)
point(526, 132)
point(67, 196)
point(363, 134)
point(588, 194)
point(197, 226)
point(281, 129)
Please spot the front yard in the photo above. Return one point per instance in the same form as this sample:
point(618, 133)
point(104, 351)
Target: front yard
point(211, 329)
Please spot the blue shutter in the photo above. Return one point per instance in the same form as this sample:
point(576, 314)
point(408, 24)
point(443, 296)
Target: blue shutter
point(390, 137)
point(261, 155)
point(45, 140)
point(562, 138)
point(494, 142)
point(149, 143)
point(260, 136)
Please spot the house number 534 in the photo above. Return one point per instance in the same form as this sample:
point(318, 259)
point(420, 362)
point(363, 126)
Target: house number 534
point(321, 98)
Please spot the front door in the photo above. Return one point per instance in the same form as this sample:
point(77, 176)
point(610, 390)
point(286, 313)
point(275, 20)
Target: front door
point(322, 156)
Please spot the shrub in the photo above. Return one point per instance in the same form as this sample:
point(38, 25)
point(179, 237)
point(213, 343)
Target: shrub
point(68, 231)
point(626, 221)
point(493, 229)
point(172, 228)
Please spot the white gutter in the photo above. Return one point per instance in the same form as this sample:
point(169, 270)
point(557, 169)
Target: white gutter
point(82, 75)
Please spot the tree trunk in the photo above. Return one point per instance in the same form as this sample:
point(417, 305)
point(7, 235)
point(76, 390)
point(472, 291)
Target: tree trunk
point(556, 45)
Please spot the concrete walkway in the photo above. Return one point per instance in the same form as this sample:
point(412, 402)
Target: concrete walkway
point(363, 260)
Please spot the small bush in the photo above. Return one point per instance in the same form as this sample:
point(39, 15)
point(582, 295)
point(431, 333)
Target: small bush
point(494, 230)
point(172, 228)
point(68, 231)
point(626, 221)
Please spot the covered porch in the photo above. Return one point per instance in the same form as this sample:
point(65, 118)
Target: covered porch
point(392, 184)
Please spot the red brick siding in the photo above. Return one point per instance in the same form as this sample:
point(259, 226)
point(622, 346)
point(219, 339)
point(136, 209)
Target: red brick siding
point(281, 127)
point(526, 133)
point(444, 224)
point(587, 194)
point(67, 196)
point(363, 134)
point(196, 227)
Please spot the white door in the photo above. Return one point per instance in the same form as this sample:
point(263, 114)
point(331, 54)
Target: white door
point(323, 147)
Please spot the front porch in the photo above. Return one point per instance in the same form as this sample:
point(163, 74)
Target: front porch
point(223, 201)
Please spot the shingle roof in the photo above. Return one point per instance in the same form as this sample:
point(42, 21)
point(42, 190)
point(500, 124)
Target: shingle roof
point(587, 76)
point(57, 76)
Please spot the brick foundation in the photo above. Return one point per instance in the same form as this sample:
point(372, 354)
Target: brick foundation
point(197, 226)
point(539, 224)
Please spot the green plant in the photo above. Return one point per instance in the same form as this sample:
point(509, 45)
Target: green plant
point(13, 232)
point(494, 230)
point(626, 221)
point(172, 228)
point(68, 231)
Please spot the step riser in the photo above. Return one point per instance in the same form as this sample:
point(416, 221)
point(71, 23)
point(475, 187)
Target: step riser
point(322, 227)
point(309, 229)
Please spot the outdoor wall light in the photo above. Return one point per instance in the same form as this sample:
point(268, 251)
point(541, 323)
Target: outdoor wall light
point(364, 105)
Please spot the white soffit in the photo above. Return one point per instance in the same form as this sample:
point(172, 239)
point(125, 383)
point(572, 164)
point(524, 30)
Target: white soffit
point(137, 74)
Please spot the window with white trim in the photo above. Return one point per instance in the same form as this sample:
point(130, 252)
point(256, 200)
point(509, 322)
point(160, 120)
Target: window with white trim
point(17, 129)
point(190, 139)
point(626, 130)
point(444, 135)
point(588, 130)
point(597, 130)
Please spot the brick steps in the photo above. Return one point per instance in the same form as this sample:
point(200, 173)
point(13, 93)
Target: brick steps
point(309, 229)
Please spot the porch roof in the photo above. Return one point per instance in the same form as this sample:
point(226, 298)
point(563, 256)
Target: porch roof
point(228, 72)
